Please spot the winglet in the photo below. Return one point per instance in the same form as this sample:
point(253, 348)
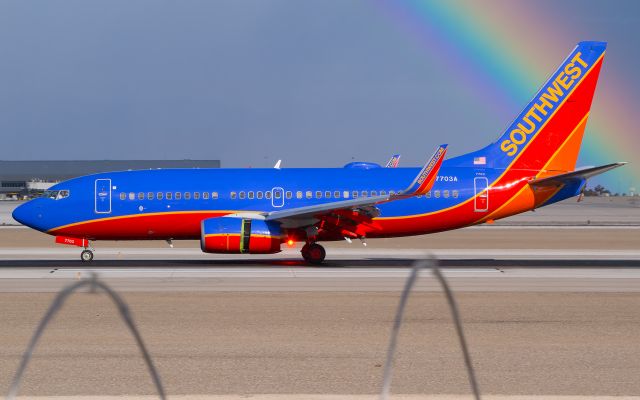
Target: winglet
point(393, 161)
point(277, 166)
point(427, 176)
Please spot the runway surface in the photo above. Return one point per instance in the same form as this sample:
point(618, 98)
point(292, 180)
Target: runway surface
point(547, 312)
point(599, 259)
point(464, 275)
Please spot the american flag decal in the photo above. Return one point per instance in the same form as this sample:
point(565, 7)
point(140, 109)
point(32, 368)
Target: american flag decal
point(479, 160)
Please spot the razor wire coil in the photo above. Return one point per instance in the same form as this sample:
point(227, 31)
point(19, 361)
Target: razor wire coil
point(94, 285)
point(397, 323)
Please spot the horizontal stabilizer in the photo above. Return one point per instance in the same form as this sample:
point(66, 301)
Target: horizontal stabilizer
point(568, 177)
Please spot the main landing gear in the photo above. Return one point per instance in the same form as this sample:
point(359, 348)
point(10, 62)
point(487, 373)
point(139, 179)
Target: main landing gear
point(86, 255)
point(313, 253)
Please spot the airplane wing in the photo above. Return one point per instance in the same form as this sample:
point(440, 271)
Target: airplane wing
point(581, 174)
point(393, 161)
point(364, 205)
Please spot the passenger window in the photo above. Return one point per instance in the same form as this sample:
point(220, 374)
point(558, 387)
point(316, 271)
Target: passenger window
point(196, 195)
point(327, 194)
point(233, 195)
point(445, 194)
point(259, 195)
point(169, 196)
point(214, 195)
point(187, 195)
point(336, 194)
point(391, 192)
point(383, 193)
point(345, 194)
point(205, 195)
point(318, 194)
point(374, 193)
point(436, 194)
point(364, 193)
point(267, 195)
point(123, 196)
point(428, 194)
point(140, 196)
point(250, 195)
point(455, 194)
point(309, 194)
point(178, 195)
point(150, 196)
point(277, 194)
point(242, 195)
point(298, 194)
point(289, 195)
point(354, 194)
point(159, 195)
point(132, 196)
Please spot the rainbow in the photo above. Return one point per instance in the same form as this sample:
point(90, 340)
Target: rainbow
point(504, 51)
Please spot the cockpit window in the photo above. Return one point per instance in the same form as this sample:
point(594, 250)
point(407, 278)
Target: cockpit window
point(56, 194)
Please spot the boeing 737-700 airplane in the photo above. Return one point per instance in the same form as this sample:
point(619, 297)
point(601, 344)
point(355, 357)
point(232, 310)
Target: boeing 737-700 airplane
point(256, 211)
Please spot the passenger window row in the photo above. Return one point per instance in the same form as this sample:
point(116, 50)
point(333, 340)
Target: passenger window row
point(445, 193)
point(318, 194)
point(309, 194)
point(169, 195)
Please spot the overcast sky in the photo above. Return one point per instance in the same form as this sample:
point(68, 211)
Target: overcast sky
point(316, 83)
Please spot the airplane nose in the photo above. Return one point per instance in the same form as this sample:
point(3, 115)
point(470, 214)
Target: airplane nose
point(20, 214)
point(27, 214)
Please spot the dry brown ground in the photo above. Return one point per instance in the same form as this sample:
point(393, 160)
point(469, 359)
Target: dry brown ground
point(241, 343)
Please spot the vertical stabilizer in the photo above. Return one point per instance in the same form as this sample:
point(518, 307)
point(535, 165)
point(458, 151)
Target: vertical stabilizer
point(547, 134)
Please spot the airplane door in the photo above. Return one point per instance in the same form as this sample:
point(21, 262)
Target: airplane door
point(481, 191)
point(277, 197)
point(103, 196)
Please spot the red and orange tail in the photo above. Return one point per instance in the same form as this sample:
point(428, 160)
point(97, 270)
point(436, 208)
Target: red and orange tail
point(547, 135)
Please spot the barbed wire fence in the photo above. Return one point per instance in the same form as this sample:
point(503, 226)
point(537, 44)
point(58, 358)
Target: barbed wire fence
point(95, 285)
point(432, 263)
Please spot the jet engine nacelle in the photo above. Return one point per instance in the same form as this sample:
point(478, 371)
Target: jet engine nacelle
point(240, 235)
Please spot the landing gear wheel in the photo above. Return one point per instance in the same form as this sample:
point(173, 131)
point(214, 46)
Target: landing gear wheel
point(86, 255)
point(313, 253)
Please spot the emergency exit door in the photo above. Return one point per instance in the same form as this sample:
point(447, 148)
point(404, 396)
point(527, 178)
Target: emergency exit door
point(481, 192)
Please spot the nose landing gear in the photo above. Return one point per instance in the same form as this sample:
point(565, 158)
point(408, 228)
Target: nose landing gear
point(313, 253)
point(86, 255)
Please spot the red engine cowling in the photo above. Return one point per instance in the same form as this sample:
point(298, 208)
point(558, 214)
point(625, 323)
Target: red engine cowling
point(240, 235)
